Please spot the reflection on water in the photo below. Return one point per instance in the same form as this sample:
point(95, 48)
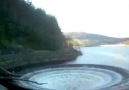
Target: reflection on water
point(109, 55)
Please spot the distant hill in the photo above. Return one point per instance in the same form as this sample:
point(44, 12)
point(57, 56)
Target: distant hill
point(126, 42)
point(94, 39)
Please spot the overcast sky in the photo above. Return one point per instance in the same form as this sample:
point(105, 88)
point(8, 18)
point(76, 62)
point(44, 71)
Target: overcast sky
point(107, 17)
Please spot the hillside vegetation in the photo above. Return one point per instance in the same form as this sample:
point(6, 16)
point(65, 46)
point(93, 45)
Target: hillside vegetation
point(28, 36)
point(24, 26)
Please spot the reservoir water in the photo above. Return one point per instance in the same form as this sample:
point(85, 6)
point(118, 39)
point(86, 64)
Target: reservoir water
point(104, 55)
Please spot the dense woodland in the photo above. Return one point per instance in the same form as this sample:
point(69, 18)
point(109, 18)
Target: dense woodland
point(24, 26)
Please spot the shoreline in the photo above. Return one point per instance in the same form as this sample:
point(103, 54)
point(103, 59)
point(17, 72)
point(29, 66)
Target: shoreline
point(35, 57)
point(114, 45)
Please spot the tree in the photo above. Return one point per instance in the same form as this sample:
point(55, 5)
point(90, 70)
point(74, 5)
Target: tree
point(23, 24)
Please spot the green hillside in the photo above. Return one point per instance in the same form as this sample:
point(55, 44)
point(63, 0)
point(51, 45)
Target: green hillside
point(24, 26)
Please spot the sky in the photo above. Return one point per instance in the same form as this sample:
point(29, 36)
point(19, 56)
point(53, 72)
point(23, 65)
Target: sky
point(106, 17)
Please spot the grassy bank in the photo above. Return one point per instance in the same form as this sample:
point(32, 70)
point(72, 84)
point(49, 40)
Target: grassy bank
point(34, 57)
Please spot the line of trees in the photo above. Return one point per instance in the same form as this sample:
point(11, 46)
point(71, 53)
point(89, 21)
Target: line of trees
point(21, 24)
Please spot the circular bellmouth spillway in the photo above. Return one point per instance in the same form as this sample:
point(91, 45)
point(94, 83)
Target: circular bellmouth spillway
point(74, 77)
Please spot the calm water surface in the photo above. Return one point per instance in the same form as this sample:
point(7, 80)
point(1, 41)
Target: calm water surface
point(104, 55)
